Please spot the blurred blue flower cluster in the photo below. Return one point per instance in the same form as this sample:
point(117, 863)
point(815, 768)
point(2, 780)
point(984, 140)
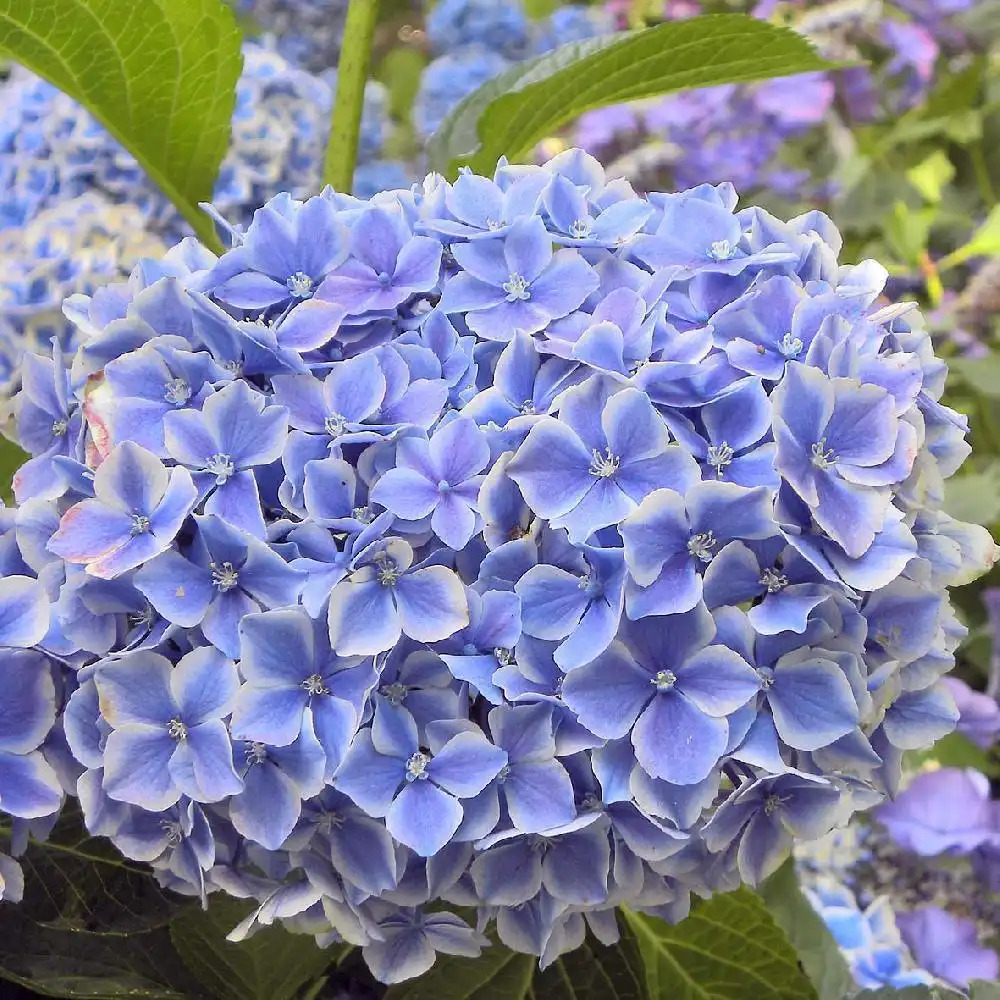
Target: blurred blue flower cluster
point(306, 32)
point(475, 40)
point(518, 543)
point(76, 210)
point(910, 891)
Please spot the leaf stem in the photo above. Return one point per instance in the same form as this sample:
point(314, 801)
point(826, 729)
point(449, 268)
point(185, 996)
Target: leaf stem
point(352, 74)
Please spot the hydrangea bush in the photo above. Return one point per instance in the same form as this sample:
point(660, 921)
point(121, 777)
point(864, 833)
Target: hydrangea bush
point(519, 544)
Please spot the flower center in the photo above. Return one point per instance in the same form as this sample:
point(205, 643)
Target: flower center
point(394, 693)
point(314, 685)
point(772, 804)
point(416, 766)
point(591, 803)
point(221, 466)
point(516, 287)
point(663, 680)
point(327, 821)
point(721, 250)
point(604, 465)
point(300, 285)
point(494, 224)
point(580, 229)
point(176, 730)
point(177, 391)
point(384, 279)
point(719, 456)
point(774, 580)
point(386, 570)
point(140, 525)
point(790, 346)
point(822, 457)
point(503, 774)
point(702, 546)
point(362, 514)
point(527, 408)
point(766, 677)
point(235, 368)
point(256, 753)
point(172, 830)
point(224, 577)
point(59, 427)
point(505, 657)
point(335, 424)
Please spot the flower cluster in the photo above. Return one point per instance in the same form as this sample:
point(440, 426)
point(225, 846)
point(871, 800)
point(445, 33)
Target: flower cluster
point(70, 247)
point(476, 40)
point(306, 32)
point(741, 133)
point(517, 543)
point(52, 150)
point(910, 890)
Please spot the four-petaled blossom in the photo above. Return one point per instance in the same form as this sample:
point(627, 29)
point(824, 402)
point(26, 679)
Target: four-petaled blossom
point(137, 509)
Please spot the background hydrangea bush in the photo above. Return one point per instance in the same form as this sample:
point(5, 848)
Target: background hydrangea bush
point(517, 544)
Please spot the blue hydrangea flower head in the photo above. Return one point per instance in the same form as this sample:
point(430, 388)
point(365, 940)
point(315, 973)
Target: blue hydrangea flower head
point(517, 543)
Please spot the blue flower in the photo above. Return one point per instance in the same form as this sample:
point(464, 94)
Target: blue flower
point(515, 282)
point(841, 446)
point(168, 738)
point(234, 432)
point(583, 471)
point(668, 685)
point(289, 669)
point(386, 596)
point(138, 508)
point(419, 792)
point(439, 478)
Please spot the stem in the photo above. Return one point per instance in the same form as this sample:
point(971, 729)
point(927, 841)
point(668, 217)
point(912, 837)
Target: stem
point(982, 173)
point(352, 74)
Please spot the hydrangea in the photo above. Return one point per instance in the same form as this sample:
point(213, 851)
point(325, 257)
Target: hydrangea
point(51, 150)
point(306, 32)
point(476, 40)
point(510, 566)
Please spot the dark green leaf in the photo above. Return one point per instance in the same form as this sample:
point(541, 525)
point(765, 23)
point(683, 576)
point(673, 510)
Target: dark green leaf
point(91, 925)
point(159, 74)
point(818, 952)
point(956, 750)
point(980, 989)
point(11, 459)
point(595, 972)
point(510, 113)
point(272, 965)
point(498, 974)
point(730, 948)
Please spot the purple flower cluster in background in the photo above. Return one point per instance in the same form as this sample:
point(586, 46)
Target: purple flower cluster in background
point(518, 543)
point(739, 133)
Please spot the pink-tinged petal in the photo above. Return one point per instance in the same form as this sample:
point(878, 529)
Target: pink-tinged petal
point(90, 529)
point(130, 479)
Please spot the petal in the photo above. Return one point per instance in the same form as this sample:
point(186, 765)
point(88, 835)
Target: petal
point(202, 765)
point(539, 796)
point(423, 817)
point(655, 534)
point(453, 521)
point(271, 715)
point(608, 693)
point(24, 611)
point(237, 502)
point(135, 688)
point(466, 764)
point(406, 493)
point(130, 479)
point(176, 587)
point(370, 779)
point(29, 788)
point(88, 530)
point(553, 602)
point(674, 740)
point(717, 680)
point(363, 618)
point(432, 604)
point(551, 468)
point(27, 709)
point(204, 684)
point(812, 704)
point(277, 647)
point(268, 808)
point(459, 450)
point(137, 767)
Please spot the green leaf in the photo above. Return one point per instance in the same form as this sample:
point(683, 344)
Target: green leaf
point(91, 925)
point(956, 750)
point(974, 496)
point(980, 989)
point(931, 175)
point(985, 242)
point(907, 993)
point(729, 948)
point(595, 972)
point(11, 459)
point(511, 112)
point(591, 972)
point(980, 374)
point(498, 974)
point(272, 965)
point(160, 75)
point(816, 947)
point(907, 231)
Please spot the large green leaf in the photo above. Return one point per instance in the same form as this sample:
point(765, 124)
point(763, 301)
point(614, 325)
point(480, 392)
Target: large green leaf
point(975, 496)
point(91, 925)
point(272, 965)
point(815, 945)
point(159, 74)
point(591, 972)
point(510, 113)
point(729, 948)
